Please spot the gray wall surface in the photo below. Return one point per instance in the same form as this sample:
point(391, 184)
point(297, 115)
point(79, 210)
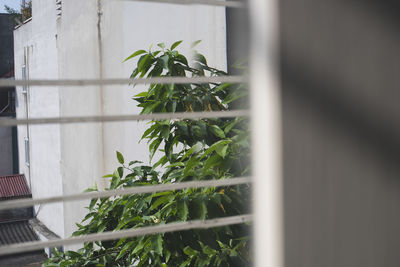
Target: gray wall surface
point(6, 152)
point(340, 78)
point(6, 44)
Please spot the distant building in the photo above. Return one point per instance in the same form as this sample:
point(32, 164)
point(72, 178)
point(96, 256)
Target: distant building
point(15, 224)
point(14, 187)
point(8, 135)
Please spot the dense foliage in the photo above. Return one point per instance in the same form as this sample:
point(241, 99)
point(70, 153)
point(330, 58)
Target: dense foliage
point(188, 150)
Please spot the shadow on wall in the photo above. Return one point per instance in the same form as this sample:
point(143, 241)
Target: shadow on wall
point(341, 136)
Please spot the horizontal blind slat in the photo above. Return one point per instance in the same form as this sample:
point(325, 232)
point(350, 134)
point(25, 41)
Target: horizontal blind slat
point(231, 4)
point(94, 82)
point(135, 117)
point(171, 227)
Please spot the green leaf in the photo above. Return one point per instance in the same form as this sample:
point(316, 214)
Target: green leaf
point(73, 254)
point(162, 194)
point(145, 64)
point(120, 171)
point(141, 62)
point(167, 256)
point(189, 251)
point(195, 43)
point(221, 150)
point(92, 189)
point(176, 164)
point(156, 244)
point(174, 45)
point(182, 59)
point(63, 264)
point(115, 180)
point(164, 60)
point(139, 52)
point(142, 94)
point(155, 53)
point(162, 45)
point(185, 263)
point(150, 107)
point(153, 147)
point(230, 125)
point(89, 215)
point(217, 131)
point(125, 222)
point(221, 245)
point(191, 163)
point(161, 162)
point(174, 103)
point(92, 203)
point(203, 210)
point(200, 58)
point(234, 96)
point(208, 251)
point(142, 242)
point(221, 87)
point(192, 150)
point(134, 162)
point(211, 161)
point(165, 132)
point(183, 210)
point(164, 122)
point(182, 127)
point(198, 133)
point(150, 130)
point(124, 249)
point(120, 158)
point(214, 146)
point(162, 200)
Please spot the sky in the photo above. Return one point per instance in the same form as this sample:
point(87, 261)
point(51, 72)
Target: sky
point(11, 3)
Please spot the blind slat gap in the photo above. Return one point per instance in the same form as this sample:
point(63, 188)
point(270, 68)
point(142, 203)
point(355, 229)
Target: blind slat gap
point(21, 203)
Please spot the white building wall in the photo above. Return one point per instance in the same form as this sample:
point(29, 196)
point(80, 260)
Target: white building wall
point(22, 39)
point(36, 40)
point(81, 144)
point(127, 27)
point(91, 46)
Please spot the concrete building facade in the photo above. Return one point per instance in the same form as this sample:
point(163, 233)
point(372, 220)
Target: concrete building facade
point(89, 40)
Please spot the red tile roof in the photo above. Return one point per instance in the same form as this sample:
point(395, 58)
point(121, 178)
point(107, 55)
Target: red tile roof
point(14, 186)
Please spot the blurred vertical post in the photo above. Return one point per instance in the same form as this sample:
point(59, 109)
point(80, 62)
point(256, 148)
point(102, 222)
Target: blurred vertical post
point(266, 134)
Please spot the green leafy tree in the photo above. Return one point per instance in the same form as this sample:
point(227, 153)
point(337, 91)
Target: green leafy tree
point(190, 150)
